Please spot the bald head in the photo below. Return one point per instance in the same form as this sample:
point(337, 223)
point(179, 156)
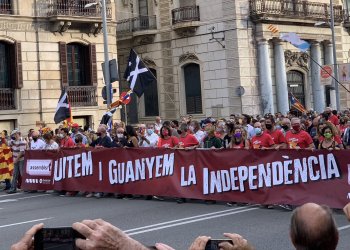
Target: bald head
point(313, 227)
point(35, 134)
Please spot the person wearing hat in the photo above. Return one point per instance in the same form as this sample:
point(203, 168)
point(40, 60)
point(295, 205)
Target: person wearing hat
point(75, 131)
point(18, 146)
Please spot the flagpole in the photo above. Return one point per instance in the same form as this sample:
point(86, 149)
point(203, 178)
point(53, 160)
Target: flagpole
point(105, 44)
point(335, 85)
point(126, 115)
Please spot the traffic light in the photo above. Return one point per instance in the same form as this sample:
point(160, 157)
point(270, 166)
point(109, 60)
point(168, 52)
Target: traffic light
point(104, 94)
point(113, 70)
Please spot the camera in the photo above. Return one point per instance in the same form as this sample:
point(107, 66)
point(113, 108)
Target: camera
point(62, 238)
point(214, 244)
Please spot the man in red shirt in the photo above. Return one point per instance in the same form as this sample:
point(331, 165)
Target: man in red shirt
point(186, 140)
point(276, 134)
point(67, 141)
point(298, 138)
point(331, 117)
point(261, 140)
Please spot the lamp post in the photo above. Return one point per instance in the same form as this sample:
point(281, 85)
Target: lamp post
point(335, 83)
point(105, 44)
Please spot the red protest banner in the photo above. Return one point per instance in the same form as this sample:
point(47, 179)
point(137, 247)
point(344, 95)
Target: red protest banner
point(253, 176)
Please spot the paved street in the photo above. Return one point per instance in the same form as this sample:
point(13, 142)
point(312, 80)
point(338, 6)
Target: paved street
point(152, 221)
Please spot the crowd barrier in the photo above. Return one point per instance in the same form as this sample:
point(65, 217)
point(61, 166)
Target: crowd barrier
point(251, 176)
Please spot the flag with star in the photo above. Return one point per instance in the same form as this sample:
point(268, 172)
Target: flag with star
point(137, 74)
point(294, 102)
point(63, 110)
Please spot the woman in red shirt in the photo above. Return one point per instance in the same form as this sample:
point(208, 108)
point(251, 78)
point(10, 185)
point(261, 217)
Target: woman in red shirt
point(166, 140)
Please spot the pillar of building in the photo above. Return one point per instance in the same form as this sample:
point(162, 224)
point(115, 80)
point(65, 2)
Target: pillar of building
point(328, 60)
point(281, 78)
point(265, 78)
point(317, 87)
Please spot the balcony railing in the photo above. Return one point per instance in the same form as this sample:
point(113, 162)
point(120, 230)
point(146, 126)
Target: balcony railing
point(5, 7)
point(7, 99)
point(137, 24)
point(185, 14)
point(259, 9)
point(77, 8)
point(81, 96)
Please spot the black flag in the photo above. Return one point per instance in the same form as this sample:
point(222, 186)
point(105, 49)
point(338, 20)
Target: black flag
point(63, 111)
point(107, 118)
point(137, 74)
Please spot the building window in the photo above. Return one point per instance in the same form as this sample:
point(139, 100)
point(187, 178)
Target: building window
point(79, 73)
point(193, 90)
point(76, 58)
point(295, 81)
point(151, 98)
point(5, 7)
point(5, 79)
point(11, 75)
point(143, 15)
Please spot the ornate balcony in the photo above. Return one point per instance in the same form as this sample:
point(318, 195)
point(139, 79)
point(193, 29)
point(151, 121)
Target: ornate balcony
point(142, 26)
point(185, 19)
point(6, 7)
point(7, 99)
point(293, 11)
point(82, 96)
point(65, 12)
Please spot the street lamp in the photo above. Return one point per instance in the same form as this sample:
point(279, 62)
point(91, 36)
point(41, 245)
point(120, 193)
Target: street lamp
point(335, 86)
point(102, 3)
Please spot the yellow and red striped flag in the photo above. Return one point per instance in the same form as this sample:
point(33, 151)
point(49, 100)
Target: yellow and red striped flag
point(273, 29)
point(6, 161)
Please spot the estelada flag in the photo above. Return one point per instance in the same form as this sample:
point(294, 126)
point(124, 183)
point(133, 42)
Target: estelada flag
point(294, 102)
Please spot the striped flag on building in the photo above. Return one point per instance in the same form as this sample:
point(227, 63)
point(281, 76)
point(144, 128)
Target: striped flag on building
point(273, 29)
point(295, 104)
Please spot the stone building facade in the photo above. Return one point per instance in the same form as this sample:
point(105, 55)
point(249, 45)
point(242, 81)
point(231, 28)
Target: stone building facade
point(218, 57)
point(48, 45)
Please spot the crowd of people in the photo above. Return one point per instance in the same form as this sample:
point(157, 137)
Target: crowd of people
point(311, 227)
point(329, 130)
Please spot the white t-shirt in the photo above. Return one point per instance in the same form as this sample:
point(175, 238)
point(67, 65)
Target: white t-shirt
point(51, 146)
point(157, 127)
point(39, 144)
point(153, 139)
point(200, 135)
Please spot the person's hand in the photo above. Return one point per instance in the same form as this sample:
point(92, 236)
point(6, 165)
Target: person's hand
point(346, 210)
point(162, 246)
point(199, 243)
point(239, 243)
point(102, 235)
point(27, 242)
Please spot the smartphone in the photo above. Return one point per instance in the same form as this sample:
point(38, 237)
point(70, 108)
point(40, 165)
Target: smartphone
point(61, 238)
point(214, 244)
